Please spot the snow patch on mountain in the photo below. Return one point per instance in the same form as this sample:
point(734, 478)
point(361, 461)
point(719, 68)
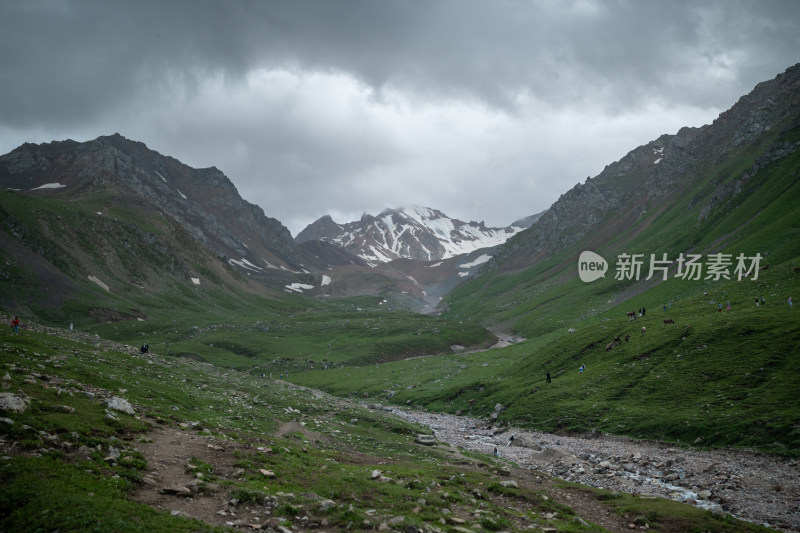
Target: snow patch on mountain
point(299, 287)
point(479, 261)
point(244, 263)
point(49, 186)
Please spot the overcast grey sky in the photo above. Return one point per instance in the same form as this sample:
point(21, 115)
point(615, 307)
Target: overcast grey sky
point(486, 110)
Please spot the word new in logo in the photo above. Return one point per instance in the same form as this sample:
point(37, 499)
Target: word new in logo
point(591, 266)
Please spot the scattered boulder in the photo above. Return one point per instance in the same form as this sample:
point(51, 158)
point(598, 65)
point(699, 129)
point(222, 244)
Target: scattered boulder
point(497, 410)
point(120, 404)
point(11, 402)
point(324, 505)
point(525, 441)
point(176, 490)
point(425, 440)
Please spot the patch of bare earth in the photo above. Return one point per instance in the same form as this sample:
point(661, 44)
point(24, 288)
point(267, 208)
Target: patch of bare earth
point(168, 483)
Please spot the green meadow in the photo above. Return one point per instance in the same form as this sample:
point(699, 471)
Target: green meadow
point(301, 459)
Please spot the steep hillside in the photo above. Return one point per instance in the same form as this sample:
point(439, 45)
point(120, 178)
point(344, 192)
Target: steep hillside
point(726, 187)
point(203, 201)
point(108, 230)
point(418, 233)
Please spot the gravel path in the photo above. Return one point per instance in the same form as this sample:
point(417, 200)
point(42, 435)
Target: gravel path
point(756, 487)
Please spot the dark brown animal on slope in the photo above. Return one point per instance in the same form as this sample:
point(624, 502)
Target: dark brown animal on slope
point(631, 313)
point(617, 339)
point(668, 321)
point(627, 337)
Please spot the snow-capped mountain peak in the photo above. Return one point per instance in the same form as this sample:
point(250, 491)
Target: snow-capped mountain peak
point(414, 233)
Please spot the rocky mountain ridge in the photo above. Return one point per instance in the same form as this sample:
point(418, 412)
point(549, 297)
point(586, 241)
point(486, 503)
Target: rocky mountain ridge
point(203, 201)
point(640, 185)
point(419, 233)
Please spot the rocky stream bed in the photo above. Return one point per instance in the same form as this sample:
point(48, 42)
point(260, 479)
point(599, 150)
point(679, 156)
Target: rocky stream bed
point(751, 486)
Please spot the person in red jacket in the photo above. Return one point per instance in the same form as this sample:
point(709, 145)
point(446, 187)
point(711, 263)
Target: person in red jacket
point(15, 326)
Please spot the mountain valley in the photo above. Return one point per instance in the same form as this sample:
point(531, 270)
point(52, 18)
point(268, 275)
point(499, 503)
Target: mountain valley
point(287, 353)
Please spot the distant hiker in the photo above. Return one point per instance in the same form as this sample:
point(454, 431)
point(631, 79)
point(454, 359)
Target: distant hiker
point(756, 301)
point(640, 311)
point(665, 308)
point(762, 301)
point(719, 307)
point(644, 330)
point(496, 452)
point(70, 326)
point(729, 305)
point(790, 302)
point(582, 367)
point(548, 374)
point(145, 348)
point(644, 311)
point(15, 326)
point(510, 440)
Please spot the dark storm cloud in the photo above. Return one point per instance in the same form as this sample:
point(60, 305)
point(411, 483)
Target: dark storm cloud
point(79, 56)
point(476, 108)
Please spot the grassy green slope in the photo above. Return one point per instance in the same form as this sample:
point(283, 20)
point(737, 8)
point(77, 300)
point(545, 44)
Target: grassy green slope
point(547, 296)
point(275, 340)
